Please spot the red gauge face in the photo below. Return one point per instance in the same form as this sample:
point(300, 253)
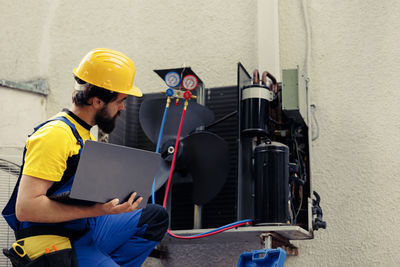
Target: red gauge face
point(189, 82)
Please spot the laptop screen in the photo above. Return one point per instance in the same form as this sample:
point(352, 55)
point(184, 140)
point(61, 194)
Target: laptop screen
point(107, 171)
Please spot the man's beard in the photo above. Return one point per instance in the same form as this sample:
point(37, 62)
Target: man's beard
point(104, 121)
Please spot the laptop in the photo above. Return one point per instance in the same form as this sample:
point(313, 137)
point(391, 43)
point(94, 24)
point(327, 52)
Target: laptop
point(107, 171)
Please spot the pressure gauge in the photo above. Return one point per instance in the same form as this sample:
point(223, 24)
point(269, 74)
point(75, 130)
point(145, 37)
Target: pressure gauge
point(172, 79)
point(189, 82)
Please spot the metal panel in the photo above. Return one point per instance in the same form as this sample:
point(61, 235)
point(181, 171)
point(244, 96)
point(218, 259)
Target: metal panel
point(223, 249)
point(294, 95)
point(38, 86)
point(244, 187)
point(222, 210)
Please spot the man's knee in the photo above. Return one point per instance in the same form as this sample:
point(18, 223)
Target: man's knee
point(157, 219)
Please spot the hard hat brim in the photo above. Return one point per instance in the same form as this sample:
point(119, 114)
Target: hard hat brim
point(135, 91)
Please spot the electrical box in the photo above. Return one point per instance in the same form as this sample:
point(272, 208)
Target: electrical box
point(294, 95)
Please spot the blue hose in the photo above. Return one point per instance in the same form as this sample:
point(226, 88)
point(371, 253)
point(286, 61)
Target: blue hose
point(153, 189)
point(223, 227)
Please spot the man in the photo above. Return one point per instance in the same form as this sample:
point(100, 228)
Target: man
point(110, 234)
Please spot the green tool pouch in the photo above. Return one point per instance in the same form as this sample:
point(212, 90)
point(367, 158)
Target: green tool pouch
point(42, 250)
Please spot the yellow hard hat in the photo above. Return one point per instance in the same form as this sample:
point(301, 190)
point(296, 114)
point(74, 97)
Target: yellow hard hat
point(108, 69)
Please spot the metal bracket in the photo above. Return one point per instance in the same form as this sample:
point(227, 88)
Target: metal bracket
point(274, 240)
point(257, 91)
point(38, 86)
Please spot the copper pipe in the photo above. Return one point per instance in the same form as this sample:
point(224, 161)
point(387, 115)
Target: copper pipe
point(264, 78)
point(275, 113)
point(279, 96)
point(256, 77)
point(279, 104)
point(274, 82)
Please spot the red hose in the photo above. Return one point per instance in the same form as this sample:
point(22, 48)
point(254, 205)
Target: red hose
point(171, 170)
point(204, 235)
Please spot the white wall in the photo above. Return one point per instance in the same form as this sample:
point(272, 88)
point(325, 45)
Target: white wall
point(19, 112)
point(355, 86)
point(209, 36)
point(20, 60)
point(47, 39)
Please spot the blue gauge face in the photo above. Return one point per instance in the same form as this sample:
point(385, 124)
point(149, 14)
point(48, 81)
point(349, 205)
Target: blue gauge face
point(172, 79)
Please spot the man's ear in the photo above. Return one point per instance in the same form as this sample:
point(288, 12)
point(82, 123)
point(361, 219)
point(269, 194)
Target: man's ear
point(96, 102)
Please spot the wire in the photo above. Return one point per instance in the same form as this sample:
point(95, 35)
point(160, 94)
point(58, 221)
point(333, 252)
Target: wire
point(301, 201)
point(300, 172)
point(297, 151)
point(9, 167)
point(11, 163)
point(308, 39)
point(294, 219)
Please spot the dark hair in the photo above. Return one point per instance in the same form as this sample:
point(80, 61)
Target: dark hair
point(81, 97)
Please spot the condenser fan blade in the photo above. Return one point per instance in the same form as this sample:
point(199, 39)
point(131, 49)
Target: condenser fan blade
point(152, 110)
point(162, 175)
point(206, 157)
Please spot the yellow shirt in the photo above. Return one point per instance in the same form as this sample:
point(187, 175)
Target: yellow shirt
point(49, 148)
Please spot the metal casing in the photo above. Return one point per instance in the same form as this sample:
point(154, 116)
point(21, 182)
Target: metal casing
point(255, 104)
point(271, 184)
point(294, 95)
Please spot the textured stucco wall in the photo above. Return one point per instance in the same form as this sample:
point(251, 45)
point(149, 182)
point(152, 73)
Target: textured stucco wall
point(355, 86)
point(20, 60)
point(19, 112)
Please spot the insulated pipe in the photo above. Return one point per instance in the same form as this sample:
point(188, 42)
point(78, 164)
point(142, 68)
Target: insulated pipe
point(268, 36)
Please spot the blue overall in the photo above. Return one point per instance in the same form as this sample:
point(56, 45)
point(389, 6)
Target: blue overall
point(111, 240)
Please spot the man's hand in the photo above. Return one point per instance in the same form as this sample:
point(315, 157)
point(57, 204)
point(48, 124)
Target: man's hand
point(112, 207)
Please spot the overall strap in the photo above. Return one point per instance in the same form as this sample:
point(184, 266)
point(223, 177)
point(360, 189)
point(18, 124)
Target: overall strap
point(66, 180)
point(66, 121)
